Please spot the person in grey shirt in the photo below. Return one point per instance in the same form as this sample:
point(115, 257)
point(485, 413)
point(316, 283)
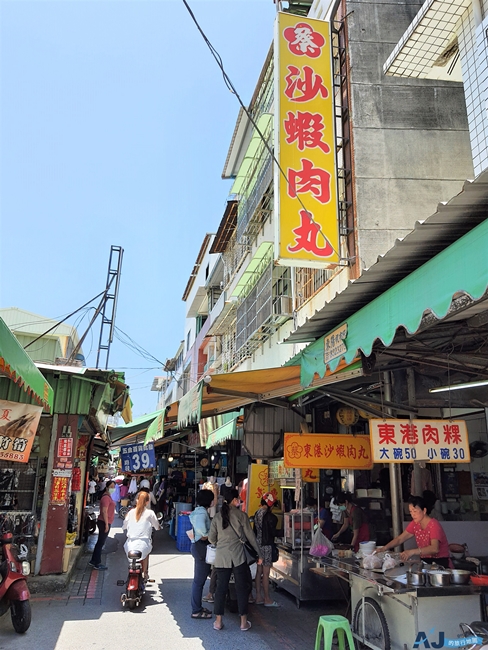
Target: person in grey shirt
point(229, 527)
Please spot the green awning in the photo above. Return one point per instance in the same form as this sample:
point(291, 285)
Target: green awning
point(190, 407)
point(156, 429)
point(223, 433)
point(460, 268)
point(16, 364)
point(140, 426)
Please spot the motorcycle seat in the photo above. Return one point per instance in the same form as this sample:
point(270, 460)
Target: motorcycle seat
point(134, 555)
point(480, 628)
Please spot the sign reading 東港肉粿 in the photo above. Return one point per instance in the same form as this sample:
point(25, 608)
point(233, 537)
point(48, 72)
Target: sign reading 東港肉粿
point(327, 451)
point(334, 345)
point(403, 441)
point(136, 458)
point(306, 200)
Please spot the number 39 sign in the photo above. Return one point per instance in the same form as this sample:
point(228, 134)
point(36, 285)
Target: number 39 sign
point(136, 458)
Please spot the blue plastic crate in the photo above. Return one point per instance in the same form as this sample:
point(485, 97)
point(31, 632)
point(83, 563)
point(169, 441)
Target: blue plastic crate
point(184, 546)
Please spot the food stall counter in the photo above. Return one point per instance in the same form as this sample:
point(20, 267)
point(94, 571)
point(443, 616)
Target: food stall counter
point(389, 614)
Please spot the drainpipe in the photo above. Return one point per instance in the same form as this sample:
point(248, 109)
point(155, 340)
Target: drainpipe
point(396, 509)
point(417, 472)
point(477, 13)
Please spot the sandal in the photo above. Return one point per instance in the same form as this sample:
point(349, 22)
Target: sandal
point(204, 613)
point(216, 627)
point(248, 627)
point(208, 599)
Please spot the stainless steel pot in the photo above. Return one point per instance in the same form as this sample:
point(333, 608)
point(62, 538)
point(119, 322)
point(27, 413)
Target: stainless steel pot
point(439, 578)
point(460, 577)
point(416, 578)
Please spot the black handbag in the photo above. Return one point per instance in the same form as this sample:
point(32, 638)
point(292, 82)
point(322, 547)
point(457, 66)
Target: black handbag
point(249, 550)
point(275, 554)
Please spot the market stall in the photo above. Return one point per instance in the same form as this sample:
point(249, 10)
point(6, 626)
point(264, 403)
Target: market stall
point(388, 613)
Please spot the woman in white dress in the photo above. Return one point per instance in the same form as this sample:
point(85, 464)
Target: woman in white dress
point(139, 524)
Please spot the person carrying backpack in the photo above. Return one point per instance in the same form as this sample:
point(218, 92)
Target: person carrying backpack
point(265, 523)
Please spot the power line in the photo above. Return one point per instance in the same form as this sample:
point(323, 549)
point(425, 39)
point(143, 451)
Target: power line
point(135, 347)
point(233, 90)
point(64, 319)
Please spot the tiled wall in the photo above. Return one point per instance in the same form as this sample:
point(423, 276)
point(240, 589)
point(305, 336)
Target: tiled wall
point(473, 48)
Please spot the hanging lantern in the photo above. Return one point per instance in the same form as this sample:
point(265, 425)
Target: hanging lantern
point(347, 416)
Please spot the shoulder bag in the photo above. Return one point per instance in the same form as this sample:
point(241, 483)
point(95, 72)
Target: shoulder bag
point(249, 550)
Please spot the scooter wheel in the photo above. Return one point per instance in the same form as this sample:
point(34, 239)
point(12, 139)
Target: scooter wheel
point(131, 604)
point(20, 611)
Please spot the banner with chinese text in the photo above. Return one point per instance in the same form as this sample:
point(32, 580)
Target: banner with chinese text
point(137, 458)
point(403, 441)
point(18, 426)
point(307, 232)
point(327, 451)
point(259, 483)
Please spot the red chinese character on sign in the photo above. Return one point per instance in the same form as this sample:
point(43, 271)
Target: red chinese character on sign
point(452, 435)
point(317, 452)
point(341, 451)
point(328, 450)
point(309, 179)
point(362, 452)
point(409, 433)
point(387, 434)
point(294, 450)
point(351, 451)
point(306, 235)
point(304, 89)
point(307, 450)
point(5, 415)
point(307, 129)
point(309, 473)
point(430, 434)
point(303, 40)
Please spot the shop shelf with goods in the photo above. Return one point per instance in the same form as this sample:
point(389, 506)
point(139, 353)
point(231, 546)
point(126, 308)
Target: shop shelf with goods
point(183, 543)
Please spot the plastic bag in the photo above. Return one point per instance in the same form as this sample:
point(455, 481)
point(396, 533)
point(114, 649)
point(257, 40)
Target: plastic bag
point(210, 554)
point(372, 562)
point(389, 563)
point(321, 546)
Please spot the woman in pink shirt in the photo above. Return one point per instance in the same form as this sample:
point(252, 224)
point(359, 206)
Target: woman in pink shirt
point(429, 536)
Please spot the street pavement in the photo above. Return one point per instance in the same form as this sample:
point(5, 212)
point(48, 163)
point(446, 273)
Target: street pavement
point(88, 615)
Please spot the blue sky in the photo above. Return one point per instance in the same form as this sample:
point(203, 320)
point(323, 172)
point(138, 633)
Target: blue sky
point(115, 125)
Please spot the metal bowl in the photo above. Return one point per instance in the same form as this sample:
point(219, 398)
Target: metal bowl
point(439, 578)
point(416, 578)
point(460, 577)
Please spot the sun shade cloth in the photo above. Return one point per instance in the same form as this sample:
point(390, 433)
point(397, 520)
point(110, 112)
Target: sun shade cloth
point(16, 364)
point(139, 425)
point(462, 268)
point(190, 407)
point(223, 433)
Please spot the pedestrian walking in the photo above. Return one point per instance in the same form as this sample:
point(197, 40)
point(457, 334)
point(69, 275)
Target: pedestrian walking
point(104, 522)
point(265, 523)
point(92, 488)
point(200, 522)
point(229, 527)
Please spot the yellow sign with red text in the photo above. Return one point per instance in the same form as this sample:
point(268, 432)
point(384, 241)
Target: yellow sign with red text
point(327, 451)
point(306, 200)
point(258, 485)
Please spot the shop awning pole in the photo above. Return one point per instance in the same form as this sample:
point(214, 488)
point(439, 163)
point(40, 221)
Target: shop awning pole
point(393, 469)
point(417, 471)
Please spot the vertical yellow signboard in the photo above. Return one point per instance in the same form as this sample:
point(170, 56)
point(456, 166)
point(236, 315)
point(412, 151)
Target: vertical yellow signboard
point(306, 215)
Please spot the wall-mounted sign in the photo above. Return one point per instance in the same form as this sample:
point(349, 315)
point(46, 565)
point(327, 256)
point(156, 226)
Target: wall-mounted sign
point(136, 458)
point(334, 345)
point(347, 416)
point(18, 426)
point(327, 451)
point(59, 490)
point(65, 447)
point(278, 471)
point(404, 441)
point(306, 200)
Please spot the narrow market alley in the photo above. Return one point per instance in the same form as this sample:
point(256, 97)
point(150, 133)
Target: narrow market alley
point(88, 614)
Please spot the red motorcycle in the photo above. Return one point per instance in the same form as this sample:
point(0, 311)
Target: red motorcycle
point(14, 592)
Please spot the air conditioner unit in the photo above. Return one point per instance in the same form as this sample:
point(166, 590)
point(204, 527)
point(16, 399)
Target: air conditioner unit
point(283, 306)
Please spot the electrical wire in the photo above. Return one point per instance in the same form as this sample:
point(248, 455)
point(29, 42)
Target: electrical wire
point(135, 347)
point(64, 319)
point(233, 90)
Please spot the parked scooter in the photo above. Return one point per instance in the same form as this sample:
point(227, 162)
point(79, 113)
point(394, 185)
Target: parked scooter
point(14, 592)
